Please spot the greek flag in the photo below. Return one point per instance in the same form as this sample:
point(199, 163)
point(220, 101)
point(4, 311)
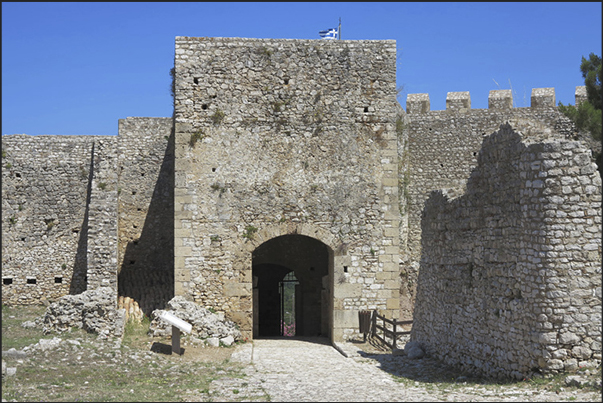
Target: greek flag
point(328, 33)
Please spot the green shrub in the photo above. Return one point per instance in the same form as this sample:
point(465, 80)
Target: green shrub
point(585, 116)
point(217, 117)
point(250, 230)
point(198, 135)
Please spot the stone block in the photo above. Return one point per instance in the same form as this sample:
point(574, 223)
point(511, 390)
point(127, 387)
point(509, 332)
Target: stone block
point(547, 338)
point(393, 284)
point(347, 290)
point(458, 101)
point(213, 341)
point(568, 338)
point(345, 318)
point(543, 98)
point(182, 275)
point(580, 94)
point(581, 352)
point(417, 103)
point(500, 100)
point(393, 303)
point(227, 341)
point(232, 289)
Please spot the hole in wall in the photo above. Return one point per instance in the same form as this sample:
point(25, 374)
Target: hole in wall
point(132, 261)
point(196, 80)
point(133, 192)
point(204, 106)
point(345, 269)
point(31, 281)
point(23, 239)
point(142, 174)
point(286, 81)
point(213, 169)
point(442, 165)
point(365, 109)
point(58, 280)
point(7, 281)
point(17, 174)
point(474, 153)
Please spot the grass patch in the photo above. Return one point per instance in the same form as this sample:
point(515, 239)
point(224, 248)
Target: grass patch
point(136, 333)
point(250, 230)
point(217, 117)
point(83, 368)
point(15, 336)
point(197, 136)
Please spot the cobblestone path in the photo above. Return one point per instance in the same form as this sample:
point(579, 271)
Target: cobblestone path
point(311, 369)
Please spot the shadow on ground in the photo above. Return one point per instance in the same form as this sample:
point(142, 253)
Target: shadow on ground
point(162, 348)
point(427, 369)
point(309, 339)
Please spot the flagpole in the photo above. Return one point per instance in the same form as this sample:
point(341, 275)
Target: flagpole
point(339, 30)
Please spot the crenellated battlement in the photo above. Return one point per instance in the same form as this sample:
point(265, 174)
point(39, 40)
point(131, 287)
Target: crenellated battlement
point(497, 100)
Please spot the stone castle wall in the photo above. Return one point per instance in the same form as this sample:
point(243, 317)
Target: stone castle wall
point(45, 190)
point(442, 148)
point(146, 211)
point(277, 133)
point(272, 138)
point(510, 272)
point(61, 196)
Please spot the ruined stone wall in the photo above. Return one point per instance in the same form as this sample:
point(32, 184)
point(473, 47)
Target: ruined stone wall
point(277, 134)
point(146, 211)
point(510, 273)
point(45, 190)
point(61, 196)
point(102, 217)
point(442, 150)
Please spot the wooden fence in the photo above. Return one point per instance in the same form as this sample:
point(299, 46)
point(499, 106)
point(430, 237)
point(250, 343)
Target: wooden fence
point(387, 332)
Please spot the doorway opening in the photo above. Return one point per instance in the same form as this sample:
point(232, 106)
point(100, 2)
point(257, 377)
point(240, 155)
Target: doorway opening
point(287, 291)
point(291, 287)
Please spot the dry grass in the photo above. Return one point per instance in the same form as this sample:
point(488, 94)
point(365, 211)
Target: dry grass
point(83, 368)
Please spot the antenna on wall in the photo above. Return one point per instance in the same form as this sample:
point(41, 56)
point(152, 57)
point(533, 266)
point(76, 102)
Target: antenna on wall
point(339, 29)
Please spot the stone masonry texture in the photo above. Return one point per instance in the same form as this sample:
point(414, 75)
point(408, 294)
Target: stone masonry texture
point(287, 132)
point(296, 154)
point(510, 275)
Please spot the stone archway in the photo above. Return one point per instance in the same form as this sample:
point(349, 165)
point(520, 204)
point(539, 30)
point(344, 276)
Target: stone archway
point(337, 318)
point(309, 262)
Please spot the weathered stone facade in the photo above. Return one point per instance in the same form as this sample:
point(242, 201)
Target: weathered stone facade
point(510, 275)
point(291, 134)
point(292, 156)
point(45, 194)
point(61, 197)
point(441, 148)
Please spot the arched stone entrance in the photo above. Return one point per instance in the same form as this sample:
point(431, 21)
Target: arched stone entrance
point(292, 283)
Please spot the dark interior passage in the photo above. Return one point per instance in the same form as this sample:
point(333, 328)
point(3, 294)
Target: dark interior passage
point(291, 287)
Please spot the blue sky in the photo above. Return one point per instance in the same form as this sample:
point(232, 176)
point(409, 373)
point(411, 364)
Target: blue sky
point(76, 68)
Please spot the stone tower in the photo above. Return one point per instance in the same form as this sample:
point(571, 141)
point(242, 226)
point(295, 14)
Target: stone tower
point(286, 161)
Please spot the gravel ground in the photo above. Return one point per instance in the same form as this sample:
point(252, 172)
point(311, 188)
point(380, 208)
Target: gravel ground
point(78, 366)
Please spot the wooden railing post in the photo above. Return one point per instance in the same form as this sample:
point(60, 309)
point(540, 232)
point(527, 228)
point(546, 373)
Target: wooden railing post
point(374, 324)
point(394, 336)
